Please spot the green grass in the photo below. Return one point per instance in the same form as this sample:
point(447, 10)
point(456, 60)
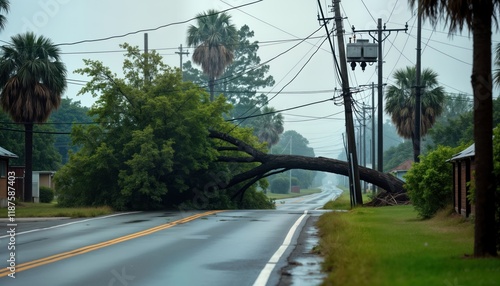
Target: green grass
point(390, 246)
point(52, 210)
point(344, 202)
point(303, 192)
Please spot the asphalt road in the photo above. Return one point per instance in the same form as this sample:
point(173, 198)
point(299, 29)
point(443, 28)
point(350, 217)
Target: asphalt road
point(244, 247)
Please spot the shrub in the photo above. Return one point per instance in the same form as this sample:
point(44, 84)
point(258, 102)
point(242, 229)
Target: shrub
point(430, 182)
point(280, 185)
point(46, 194)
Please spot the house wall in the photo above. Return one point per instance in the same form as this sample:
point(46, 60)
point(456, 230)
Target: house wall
point(46, 180)
point(463, 173)
point(457, 198)
point(4, 162)
point(19, 182)
point(463, 189)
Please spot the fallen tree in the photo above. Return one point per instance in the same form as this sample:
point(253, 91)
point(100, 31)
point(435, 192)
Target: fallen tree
point(272, 164)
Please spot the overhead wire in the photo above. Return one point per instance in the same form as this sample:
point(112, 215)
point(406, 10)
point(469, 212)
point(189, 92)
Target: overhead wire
point(154, 29)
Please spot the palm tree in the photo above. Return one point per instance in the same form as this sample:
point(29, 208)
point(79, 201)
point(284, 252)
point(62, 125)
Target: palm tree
point(269, 126)
point(32, 79)
point(4, 6)
point(400, 102)
point(477, 16)
point(216, 39)
point(496, 75)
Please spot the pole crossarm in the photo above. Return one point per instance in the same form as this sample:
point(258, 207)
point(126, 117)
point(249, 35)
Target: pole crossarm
point(379, 39)
point(383, 30)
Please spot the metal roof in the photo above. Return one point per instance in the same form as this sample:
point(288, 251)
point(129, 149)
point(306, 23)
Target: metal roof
point(7, 153)
point(467, 153)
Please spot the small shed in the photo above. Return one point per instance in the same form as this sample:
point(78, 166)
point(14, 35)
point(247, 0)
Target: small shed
point(463, 174)
point(5, 155)
point(402, 169)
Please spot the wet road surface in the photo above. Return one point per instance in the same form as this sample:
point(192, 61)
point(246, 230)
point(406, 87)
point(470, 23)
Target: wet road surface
point(159, 248)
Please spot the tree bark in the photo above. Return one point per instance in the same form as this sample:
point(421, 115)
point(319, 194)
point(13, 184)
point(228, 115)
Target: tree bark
point(484, 228)
point(270, 162)
point(211, 84)
point(28, 162)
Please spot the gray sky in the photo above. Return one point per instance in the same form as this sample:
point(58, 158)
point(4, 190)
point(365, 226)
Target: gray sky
point(67, 21)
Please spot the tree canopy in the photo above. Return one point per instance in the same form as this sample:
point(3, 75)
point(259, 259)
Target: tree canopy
point(150, 146)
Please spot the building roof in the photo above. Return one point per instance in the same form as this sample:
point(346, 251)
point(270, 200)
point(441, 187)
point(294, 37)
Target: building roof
point(466, 153)
point(7, 153)
point(405, 166)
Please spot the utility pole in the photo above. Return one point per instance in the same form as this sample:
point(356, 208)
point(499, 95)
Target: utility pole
point(346, 92)
point(418, 90)
point(380, 130)
point(146, 59)
point(373, 155)
point(180, 53)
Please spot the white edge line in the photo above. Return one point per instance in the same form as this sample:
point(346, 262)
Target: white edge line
point(266, 272)
point(69, 223)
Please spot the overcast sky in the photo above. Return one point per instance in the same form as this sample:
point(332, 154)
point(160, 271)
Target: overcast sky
point(69, 21)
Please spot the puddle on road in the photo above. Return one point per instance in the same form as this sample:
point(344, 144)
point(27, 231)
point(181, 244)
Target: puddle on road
point(136, 221)
point(304, 267)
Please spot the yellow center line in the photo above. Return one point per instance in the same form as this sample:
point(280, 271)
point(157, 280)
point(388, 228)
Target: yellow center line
point(39, 262)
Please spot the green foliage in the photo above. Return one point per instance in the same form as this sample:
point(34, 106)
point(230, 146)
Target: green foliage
point(149, 147)
point(496, 170)
point(45, 156)
point(430, 182)
point(293, 143)
point(241, 79)
point(46, 194)
point(69, 113)
point(396, 155)
point(280, 185)
point(400, 100)
point(255, 200)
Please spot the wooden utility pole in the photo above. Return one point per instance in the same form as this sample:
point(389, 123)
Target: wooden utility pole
point(146, 59)
point(380, 114)
point(418, 91)
point(180, 53)
point(352, 157)
point(373, 154)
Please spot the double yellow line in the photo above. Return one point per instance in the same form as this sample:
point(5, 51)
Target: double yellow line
point(39, 262)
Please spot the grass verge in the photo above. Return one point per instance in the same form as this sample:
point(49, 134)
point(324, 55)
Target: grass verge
point(303, 192)
point(390, 246)
point(343, 202)
point(52, 210)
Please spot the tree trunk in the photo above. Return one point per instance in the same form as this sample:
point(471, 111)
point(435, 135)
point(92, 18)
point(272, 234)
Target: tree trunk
point(28, 161)
point(211, 83)
point(484, 229)
point(270, 163)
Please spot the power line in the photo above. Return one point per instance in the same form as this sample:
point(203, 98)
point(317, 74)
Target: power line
point(153, 29)
point(369, 12)
point(278, 111)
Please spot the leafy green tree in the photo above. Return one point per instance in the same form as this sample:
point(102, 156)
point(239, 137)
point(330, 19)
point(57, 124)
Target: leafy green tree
point(241, 79)
point(69, 113)
point(430, 182)
point(4, 8)
point(400, 102)
point(477, 16)
point(280, 185)
point(293, 143)
point(496, 160)
point(244, 76)
point(45, 156)
point(149, 147)
point(215, 38)
point(454, 126)
point(269, 126)
point(32, 79)
point(396, 155)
